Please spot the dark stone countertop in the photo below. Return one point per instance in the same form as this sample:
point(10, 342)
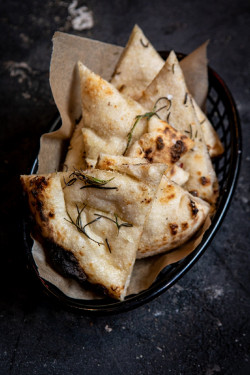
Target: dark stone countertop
point(201, 325)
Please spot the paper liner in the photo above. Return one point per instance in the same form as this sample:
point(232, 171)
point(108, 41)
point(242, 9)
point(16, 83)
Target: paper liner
point(194, 67)
point(67, 51)
point(101, 58)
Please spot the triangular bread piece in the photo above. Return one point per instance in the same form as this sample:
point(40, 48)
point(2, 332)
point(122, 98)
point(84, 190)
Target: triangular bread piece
point(170, 83)
point(112, 122)
point(140, 63)
point(75, 157)
point(95, 217)
point(107, 115)
point(122, 163)
point(131, 74)
point(174, 217)
point(161, 144)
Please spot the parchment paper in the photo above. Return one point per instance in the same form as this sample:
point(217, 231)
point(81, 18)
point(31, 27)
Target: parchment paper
point(101, 58)
point(194, 67)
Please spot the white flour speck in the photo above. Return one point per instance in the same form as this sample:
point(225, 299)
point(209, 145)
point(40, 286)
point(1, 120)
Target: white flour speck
point(108, 329)
point(81, 18)
point(19, 70)
point(159, 313)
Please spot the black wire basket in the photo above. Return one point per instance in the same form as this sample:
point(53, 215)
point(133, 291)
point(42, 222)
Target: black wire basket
point(222, 113)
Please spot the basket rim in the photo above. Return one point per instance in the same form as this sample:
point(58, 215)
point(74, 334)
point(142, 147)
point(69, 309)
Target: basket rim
point(105, 306)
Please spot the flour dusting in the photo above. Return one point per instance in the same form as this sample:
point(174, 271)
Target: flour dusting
point(20, 70)
point(108, 329)
point(81, 18)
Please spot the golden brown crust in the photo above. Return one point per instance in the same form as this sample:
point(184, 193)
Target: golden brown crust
point(184, 118)
point(174, 218)
point(163, 145)
point(175, 214)
point(55, 203)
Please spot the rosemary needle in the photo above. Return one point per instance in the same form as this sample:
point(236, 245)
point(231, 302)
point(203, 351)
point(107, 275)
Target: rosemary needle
point(89, 181)
point(147, 116)
point(78, 224)
point(82, 229)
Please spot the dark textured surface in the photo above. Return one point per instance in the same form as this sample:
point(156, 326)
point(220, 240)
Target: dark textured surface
point(201, 325)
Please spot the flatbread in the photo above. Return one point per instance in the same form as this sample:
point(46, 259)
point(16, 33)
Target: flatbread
point(140, 63)
point(109, 117)
point(121, 163)
point(131, 75)
point(177, 175)
point(162, 144)
point(170, 83)
point(75, 157)
point(103, 255)
point(174, 217)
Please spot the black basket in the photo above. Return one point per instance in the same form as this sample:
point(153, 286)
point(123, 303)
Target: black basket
point(222, 112)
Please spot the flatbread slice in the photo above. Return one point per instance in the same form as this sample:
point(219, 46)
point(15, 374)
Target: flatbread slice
point(161, 144)
point(122, 163)
point(96, 218)
point(131, 75)
point(107, 115)
point(75, 157)
point(140, 63)
point(113, 122)
point(174, 217)
point(170, 83)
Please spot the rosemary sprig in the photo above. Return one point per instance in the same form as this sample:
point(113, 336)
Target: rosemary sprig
point(168, 116)
point(147, 116)
point(70, 182)
point(107, 242)
point(84, 231)
point(122, 224)
point(90, 181)
point(185, 98)
point(79, 219)
point(78, 224)
point(191, 131)
point(143, 44)
point(157, 101)
point(115, 221)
